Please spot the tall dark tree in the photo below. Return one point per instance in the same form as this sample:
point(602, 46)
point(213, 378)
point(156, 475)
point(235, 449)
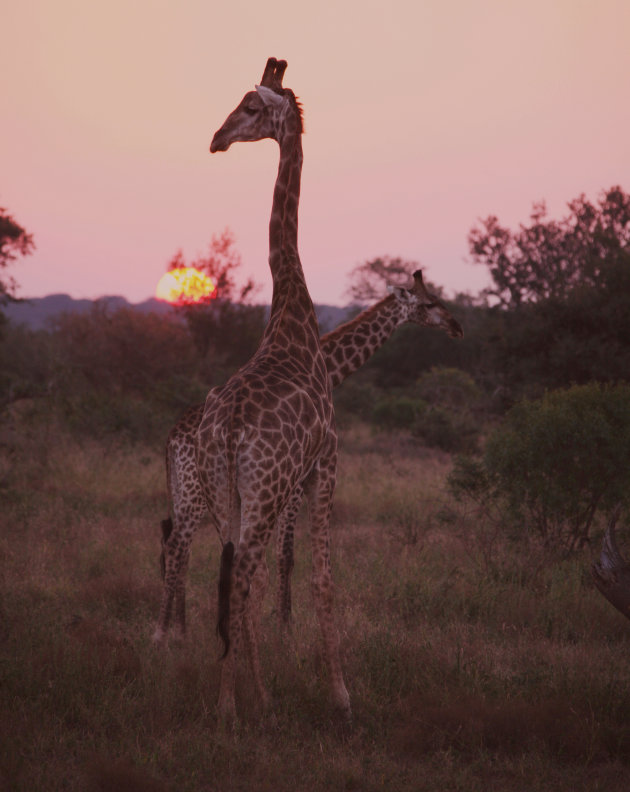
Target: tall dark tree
point(227, 328)
point(563, 289)
point(14, 242)
point(220, 263)
point(369, 281)
point(548, 258)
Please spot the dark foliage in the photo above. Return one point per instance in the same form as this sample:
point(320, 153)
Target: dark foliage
point(14, 242)
point(556, 463)
point(549, 258)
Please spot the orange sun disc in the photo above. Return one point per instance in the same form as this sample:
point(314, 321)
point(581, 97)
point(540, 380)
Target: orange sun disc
point(184, 286)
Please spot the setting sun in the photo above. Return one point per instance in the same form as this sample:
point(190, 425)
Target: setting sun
point(184, 286)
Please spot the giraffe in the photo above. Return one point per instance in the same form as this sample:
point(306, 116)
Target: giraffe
point(345, 350)
point(271, 427)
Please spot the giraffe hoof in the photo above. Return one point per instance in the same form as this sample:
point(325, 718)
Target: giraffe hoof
point(343, 710)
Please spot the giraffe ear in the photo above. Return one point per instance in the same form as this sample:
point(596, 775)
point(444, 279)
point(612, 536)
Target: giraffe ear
point(270, 97)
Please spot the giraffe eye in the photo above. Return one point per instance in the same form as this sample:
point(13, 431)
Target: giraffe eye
point(252, 111)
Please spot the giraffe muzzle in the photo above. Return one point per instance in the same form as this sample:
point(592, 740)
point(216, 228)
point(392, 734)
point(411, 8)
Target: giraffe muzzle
point(218, 143)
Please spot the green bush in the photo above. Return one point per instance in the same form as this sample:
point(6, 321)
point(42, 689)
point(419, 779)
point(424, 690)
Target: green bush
point(449, 422)
point(446, 429)
point(25, 363)
point(355, 397)
point(448, 387)
point(397, 412)
point(556, 463)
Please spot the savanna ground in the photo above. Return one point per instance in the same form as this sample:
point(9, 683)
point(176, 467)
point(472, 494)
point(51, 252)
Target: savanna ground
point(472, 663)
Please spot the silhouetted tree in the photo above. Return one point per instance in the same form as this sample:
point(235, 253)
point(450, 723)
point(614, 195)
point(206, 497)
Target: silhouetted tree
point(563, 289)
point(226, 329)
point(220, 263)
point(548, 258)
point(369, 281)
point(558, 341)
point(14, 242)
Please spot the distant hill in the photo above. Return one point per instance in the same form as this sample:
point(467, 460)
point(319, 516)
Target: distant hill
point(38, 312)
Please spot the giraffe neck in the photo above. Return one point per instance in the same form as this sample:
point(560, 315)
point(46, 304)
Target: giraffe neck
point(284, 259)
point(348, 347)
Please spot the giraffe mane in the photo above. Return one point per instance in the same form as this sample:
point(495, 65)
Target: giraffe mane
point(295, 102)
point(298, 107)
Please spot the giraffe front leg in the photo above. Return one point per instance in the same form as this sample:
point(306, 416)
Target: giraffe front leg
point(164, 617)
point(324, 601)
point(180, 598)
point(320, 500)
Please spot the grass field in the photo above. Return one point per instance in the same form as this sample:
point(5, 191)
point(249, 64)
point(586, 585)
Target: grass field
point(472, 663)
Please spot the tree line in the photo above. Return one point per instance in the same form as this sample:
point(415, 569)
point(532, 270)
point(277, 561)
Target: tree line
point(555, 320)
point(557, 313)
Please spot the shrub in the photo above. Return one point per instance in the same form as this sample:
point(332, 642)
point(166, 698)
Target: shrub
point(122, 351)
point(448, 387)
point(397, 412)
point(556, 463)
point(25, 363)
point(446, 429)
point(449, 422)
point(355, 397)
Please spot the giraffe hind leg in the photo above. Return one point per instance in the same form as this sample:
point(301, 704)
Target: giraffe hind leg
point(284, 556)
point(174, 564)
point(252, 619)
point(241, 623)
point(166, 606)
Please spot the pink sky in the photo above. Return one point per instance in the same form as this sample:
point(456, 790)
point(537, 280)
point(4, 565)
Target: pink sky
point(421, 117)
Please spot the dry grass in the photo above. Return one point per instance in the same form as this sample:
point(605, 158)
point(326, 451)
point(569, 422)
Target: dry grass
point(464, 675)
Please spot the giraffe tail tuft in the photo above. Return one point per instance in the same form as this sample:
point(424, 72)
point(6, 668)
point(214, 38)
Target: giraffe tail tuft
point(225, 587)
point(167, 529)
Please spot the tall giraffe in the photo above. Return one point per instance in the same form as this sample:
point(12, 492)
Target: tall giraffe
point(271, 427)
point(345, 350)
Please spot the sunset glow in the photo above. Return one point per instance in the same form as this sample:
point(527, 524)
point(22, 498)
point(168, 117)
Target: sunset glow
point(185, 286)
point(469, 110)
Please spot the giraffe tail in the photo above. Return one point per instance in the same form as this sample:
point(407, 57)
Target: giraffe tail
point(225, 587)
point(167, 529)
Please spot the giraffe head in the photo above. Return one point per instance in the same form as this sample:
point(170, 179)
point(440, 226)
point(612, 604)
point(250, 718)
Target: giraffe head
point(265, 112)
point(424, 308)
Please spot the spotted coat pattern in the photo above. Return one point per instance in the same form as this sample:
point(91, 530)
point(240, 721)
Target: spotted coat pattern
point(345, 350)
point(271, 427)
